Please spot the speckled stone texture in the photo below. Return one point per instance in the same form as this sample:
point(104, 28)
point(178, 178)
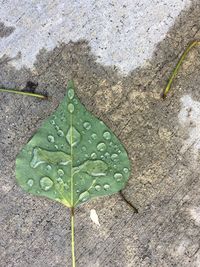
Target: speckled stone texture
point(164, 184)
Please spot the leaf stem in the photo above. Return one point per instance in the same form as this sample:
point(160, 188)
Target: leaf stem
point(72, 238)
point(176, 69)
point(23, 93)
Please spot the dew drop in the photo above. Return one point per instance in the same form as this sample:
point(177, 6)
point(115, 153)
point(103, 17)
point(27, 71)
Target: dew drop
point(107, 154)
point(125, 170)
point(114, 156)
point(97, 187)
point(94, 136)
point(30, 182)
point(59, 180)
point(89, 141)
point(60, 133)
point(57, 128)
point(118, 177)
point(84, 196)
point(93, 156)
point(52, 122)
point(75, 101)
point(106, 186)
point(107, 135)
point(48, 167)
point(76, 136)
point(56, 146)
point(101, 147)
point(86, 125)
point(60, 172)
point(46, 183)
point(70, 93)
point(84, 148)
point(51, 139)
point(71, 108)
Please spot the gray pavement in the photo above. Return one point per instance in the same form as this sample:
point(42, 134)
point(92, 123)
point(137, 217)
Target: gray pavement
point(161, 137)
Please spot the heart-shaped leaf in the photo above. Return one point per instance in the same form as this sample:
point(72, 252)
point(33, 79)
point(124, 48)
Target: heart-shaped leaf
point(73, 157)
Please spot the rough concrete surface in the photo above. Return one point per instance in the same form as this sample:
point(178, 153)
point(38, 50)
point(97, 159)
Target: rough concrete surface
point(161, 137)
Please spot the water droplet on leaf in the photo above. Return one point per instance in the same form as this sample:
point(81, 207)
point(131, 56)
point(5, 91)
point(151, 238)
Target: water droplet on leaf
point(107, 135)
point(59, 180)
point(60, 172)
point(30, 182)
point(49, 167)
point(71, 108)
point(86, 125)
point(97, 187)
point(75, 101)
point(46, 183)
point(51, 139)
point(94, 136)
point(101, 147)
point(118, 177)
point(114, 156)
point(70, 93)
point(125, 170)
point(84, 148)
point(84, 196)
point(73, 136)
point(57, 128)
point(107, 155)
point(93, 155)
point(106, 186)
point(60, 133)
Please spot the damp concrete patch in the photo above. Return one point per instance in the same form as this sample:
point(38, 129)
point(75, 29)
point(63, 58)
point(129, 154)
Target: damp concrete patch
point(5, 31)
point(121, 34)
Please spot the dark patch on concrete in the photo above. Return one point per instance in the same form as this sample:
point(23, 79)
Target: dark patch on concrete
point(5, 31)
point(162, 185)
point(30, 87)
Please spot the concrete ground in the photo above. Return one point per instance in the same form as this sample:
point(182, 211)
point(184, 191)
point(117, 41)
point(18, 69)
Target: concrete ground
point(120, 69)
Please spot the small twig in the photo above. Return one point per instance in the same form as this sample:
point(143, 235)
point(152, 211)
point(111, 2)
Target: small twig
point(128, 202)
point(178, 65)
point(43, 97)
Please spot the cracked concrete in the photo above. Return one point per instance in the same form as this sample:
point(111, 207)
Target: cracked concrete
point(164, 184)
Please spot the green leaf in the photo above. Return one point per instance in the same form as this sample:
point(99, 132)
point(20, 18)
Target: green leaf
point(73, 157)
